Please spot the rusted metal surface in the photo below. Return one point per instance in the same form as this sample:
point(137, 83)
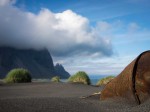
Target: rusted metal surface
point(133, 83)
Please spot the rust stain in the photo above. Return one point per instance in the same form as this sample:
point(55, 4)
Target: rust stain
point(133, 83)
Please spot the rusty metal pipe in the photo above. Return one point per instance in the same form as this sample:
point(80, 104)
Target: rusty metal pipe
point(133, 82)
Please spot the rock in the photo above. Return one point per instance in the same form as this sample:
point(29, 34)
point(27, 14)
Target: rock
point(60, 71)
point(38, 62)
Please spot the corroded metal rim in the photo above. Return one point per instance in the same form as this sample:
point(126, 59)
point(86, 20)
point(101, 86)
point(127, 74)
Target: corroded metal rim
point(134, 77)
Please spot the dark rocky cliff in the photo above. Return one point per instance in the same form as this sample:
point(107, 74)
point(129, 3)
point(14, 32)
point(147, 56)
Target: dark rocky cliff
point(59, 69)
point(38, 62)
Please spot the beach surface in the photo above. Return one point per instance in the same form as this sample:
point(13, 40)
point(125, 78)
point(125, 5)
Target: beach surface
point(61, 97)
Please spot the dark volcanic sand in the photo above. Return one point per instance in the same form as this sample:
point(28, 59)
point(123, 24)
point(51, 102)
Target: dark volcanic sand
point(60, 97)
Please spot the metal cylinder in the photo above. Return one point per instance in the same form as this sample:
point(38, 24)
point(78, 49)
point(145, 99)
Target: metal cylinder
point(133, 83)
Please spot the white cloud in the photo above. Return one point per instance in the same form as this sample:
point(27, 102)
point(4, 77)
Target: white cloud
point(104, 26)
point(68, 33)
point(133, 27)
point(129, 40)
point(64, 33)
point(6, 2)
point(104, 66)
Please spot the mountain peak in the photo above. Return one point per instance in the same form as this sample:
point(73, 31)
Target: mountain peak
point(59, 69)
point(38, 62)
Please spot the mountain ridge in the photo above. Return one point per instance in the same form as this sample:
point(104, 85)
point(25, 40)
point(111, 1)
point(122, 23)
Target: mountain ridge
point(59, 69)
point(38, 62)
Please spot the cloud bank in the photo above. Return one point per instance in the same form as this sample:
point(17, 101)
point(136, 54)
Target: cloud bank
point(64, 33)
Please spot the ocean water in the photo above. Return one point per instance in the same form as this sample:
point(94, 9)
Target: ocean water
point(94, 79)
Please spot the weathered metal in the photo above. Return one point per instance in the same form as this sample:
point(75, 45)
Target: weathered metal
point(133, 83)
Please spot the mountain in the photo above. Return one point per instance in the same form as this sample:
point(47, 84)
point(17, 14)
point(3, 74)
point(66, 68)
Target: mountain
point(38, 62)
point(59, 69)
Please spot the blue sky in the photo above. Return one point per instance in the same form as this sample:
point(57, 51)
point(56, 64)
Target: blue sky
point(126, 11)
point(100, 36)
point(95, 10)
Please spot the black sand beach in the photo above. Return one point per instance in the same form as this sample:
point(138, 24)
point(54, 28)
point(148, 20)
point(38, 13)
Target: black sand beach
point(60, 97)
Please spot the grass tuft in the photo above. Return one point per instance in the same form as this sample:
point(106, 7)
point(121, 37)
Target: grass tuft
point(55, 79)
point(80, 77)
point(105, 80)
point(18, 75)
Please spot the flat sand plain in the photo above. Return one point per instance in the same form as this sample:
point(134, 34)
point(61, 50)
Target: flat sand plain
point(60, 97)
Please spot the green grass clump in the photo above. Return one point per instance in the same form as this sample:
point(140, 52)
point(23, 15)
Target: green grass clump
point(80, 77)
point(55, 79)
point(105, 80)
point(18, 75)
